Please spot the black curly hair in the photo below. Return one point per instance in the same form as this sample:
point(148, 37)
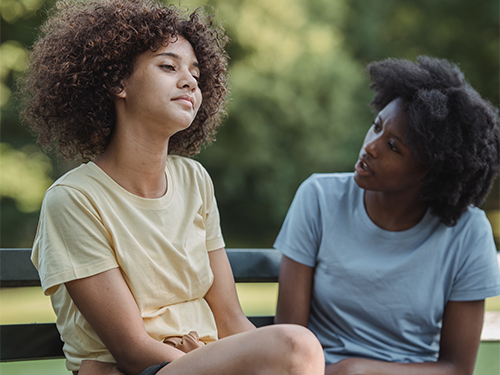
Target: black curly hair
point(451, 130)
point(85, 52)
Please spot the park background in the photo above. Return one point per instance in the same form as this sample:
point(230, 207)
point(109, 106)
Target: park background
point(298, 103)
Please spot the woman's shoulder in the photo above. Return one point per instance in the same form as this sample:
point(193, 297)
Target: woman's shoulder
point(330, 185)
point(185, 165)
point(78, 178)
point(77, 182)
point(191, 175)
point(329, 180)
point(473, 219)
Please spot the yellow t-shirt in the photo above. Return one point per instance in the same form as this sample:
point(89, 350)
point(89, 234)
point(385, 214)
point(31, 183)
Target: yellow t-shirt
point(89, 224)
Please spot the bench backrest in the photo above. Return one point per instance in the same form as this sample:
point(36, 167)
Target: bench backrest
point(42, 341)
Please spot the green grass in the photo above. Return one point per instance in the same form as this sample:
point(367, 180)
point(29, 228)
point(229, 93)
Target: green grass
point(488, 358)
point(45, 367)
point(29, 305)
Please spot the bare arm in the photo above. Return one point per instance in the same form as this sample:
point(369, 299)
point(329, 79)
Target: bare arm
point(460, 337)
point(294, 297)
point(223, 299)
point(108, 305)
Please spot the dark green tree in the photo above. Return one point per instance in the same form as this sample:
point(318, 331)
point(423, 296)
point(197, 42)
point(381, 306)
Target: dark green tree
point(298, 103)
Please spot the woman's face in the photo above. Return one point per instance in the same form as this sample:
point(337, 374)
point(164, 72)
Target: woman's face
point(386, 162)
point(163, 89)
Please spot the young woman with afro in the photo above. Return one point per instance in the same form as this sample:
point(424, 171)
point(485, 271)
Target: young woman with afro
point(389, 265)
point(129, 245)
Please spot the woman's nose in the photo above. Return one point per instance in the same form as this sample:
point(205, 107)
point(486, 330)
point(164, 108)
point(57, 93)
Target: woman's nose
point(187, 80)
point(371, 147)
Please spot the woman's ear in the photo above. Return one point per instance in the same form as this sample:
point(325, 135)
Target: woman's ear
point(120, 90)
point(122, 93)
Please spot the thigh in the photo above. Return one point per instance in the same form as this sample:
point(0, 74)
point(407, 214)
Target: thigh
point(90, 367)
point(268, 350)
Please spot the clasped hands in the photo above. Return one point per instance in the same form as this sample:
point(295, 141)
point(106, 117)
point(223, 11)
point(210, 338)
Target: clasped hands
point(185, 343)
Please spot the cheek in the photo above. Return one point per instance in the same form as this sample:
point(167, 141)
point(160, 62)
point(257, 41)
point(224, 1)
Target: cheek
point(199, 99)
point(419, 175)
point(410, 178)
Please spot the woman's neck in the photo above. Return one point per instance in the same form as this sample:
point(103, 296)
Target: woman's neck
point(392, 212)
point(137, 164)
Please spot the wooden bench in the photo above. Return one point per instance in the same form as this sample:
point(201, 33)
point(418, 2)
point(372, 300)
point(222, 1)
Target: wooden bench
point(22, 342)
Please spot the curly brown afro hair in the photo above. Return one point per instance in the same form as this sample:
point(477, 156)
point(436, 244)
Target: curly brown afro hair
point(451, 130)
point(85, 52)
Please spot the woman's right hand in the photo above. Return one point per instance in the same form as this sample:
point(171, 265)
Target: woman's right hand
point(185, 343)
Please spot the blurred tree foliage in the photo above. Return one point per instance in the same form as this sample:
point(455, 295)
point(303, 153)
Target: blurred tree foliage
point(298, 102)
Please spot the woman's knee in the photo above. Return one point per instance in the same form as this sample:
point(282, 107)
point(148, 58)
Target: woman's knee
point(272, 350)
point(296, 344)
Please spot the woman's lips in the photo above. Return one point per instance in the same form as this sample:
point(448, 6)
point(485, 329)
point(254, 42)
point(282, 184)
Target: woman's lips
point(362, 168)
point(186, 100)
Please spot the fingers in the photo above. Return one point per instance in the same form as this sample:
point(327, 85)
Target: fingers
point(185, 343)
point(194, 335)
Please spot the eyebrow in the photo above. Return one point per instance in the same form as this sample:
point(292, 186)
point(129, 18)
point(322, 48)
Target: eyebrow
point(177, 57)
point(400, 140)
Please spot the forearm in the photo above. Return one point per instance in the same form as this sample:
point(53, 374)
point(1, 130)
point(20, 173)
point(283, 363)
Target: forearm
point(294, 297)
point(136, 357)
point(357, 366)
point(109, 307)
point(457, 352)
point(223, 299)
point(238, 323)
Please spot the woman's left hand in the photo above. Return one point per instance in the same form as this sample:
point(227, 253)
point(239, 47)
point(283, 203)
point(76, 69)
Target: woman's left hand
point(348, 366)
point(186, 343)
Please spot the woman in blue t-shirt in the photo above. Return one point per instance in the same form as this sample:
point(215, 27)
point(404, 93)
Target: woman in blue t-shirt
point(389, 266)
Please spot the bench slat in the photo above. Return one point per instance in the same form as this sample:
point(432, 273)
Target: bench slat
point(248, 265)
point(28, 342)
point(21, 342)
point(16, 269)
point(254, 265)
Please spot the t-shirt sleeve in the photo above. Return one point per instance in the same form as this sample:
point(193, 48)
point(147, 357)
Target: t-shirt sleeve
point(71, 241)
point(300, 234)
point(479, 275)
point(214, 239)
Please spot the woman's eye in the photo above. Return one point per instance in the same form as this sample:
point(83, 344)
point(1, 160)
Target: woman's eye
point(196, 78)
point(393, 147)
point(167, 67)
point(376, 127)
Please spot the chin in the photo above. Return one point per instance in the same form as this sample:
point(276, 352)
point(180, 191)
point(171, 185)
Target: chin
point(183, 126)
point(363, 183)
point(358, 180)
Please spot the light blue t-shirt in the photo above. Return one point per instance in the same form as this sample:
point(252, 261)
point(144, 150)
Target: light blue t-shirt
point(380, 294)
